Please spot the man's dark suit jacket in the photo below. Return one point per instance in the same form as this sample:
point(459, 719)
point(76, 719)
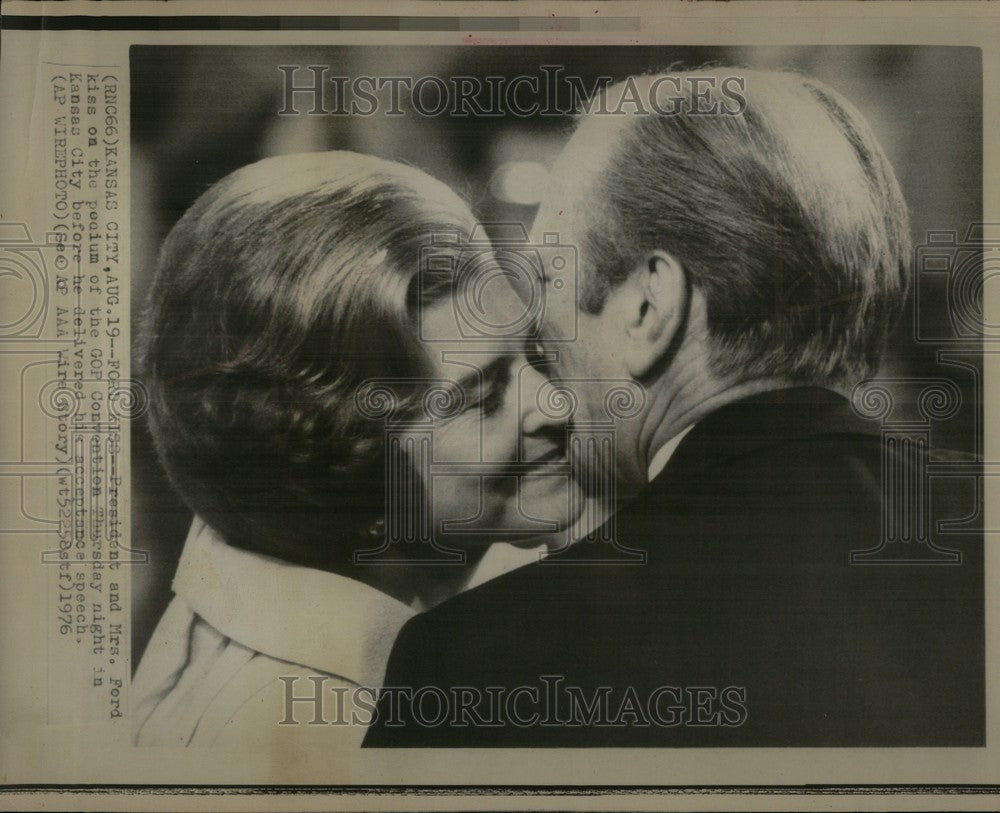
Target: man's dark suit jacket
point(748, 610)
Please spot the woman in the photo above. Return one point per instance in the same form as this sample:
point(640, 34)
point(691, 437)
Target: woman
point(308, 356)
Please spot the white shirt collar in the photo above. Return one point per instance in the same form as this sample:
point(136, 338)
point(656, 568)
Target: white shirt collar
point(659, 460)
point(310, 617)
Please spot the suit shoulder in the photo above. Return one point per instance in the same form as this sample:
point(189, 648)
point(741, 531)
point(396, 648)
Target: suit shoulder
point(497, 598)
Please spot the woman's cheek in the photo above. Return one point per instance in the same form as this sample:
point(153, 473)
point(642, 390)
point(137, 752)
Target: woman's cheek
point(453, 438)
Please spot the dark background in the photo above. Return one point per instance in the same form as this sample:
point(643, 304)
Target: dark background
point(198, 113)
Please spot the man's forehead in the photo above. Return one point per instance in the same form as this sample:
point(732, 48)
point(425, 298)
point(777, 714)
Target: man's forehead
point(592, 143)
point(575, 172)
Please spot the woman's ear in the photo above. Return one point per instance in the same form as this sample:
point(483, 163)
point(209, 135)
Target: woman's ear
point(658, 306)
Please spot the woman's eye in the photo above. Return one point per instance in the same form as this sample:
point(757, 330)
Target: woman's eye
point(493, 400)
point(495, 386)
point(537, 356)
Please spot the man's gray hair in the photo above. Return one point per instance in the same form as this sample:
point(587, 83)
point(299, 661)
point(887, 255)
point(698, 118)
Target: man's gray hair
point(786, 215)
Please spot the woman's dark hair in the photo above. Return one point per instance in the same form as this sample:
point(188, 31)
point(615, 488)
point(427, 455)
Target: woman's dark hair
point(282, 289)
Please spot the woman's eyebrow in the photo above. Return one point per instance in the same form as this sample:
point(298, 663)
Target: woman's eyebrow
point(495, 371)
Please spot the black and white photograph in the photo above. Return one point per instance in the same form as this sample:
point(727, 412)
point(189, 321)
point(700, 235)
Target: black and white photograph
point(512, 406)
point(558, 396)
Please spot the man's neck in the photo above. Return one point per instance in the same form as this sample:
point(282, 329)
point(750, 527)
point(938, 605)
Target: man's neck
point(674, 412)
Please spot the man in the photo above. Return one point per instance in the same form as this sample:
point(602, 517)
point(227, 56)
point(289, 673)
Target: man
point(745, 268)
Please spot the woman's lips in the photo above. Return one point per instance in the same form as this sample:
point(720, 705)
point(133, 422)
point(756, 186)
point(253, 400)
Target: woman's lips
point(554, 459)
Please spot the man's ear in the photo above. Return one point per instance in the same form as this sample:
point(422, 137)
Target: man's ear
point(658, 305)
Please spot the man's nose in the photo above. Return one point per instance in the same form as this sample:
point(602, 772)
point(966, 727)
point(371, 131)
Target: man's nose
point(545, 405)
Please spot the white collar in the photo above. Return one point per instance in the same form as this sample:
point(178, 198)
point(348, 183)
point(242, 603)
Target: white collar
point(659, 460)
point(298, 614)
